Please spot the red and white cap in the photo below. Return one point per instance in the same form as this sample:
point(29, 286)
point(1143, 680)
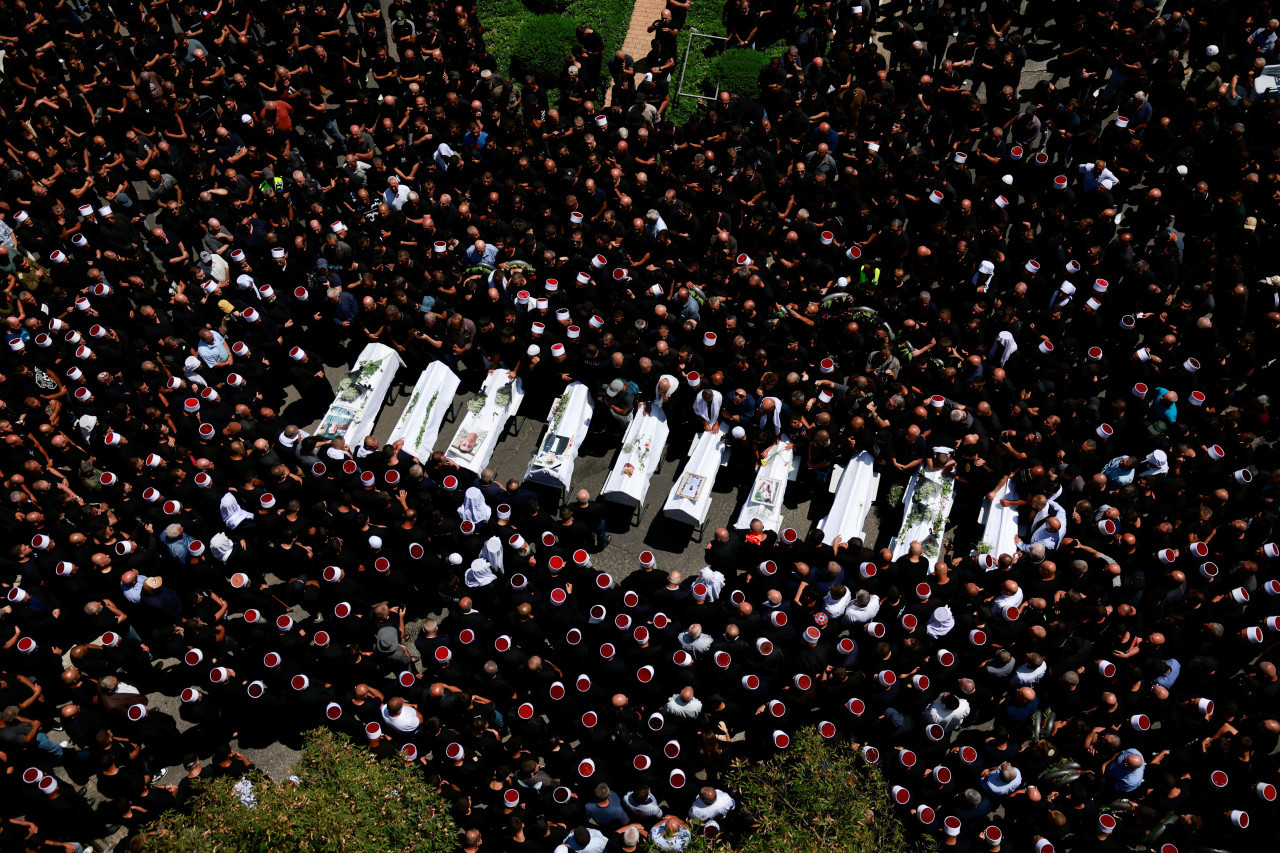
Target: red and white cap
point(1265, 791)
point(1239, 818)
point(1140, 722)
point(951, 826)
point(781, 740)
point(993, 835)
point(586, 768)
point(978, 637)
point(219, 674)
point(676, 778)
point(645, 673)
point(856, 706)
point(827, 729)
point(1106, 668)
point(1205, 706)
point(556, 690)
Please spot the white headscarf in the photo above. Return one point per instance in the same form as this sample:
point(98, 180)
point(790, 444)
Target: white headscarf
point(232, 513)
point(473, 508)
point(221, 546)
point(714, 581)
point(941, 622)
point(492, 551)
point(673, 384)
point(708, 412)
point(777, 414)
point(1007, 346)
point(480, 574)
point(1157, 462)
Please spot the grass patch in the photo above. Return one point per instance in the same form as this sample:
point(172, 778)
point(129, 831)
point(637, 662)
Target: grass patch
point(505, 19)
point(702, 74)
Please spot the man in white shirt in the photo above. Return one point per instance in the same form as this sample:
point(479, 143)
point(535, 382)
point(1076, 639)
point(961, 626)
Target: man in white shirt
point(586, 840)
point(401, 716)
point(1010, 596)
point(396, 193)
point(1033, 669)
point(711, 805)
point(641, 803)
point(948, 711)
point(863, 608)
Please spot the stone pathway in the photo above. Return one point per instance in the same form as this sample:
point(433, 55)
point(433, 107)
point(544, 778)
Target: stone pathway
point(637, 41)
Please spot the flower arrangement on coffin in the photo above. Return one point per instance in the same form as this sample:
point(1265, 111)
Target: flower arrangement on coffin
point(356, 383)
point(426, 418)
point(501, 398)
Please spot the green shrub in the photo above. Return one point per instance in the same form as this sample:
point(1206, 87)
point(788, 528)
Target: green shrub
point(541, 47)
point(817, 795)
point(345, 801)
point(738, 70)
point(550, 7)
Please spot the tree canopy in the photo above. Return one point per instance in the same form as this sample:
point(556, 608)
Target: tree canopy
point(345, 800)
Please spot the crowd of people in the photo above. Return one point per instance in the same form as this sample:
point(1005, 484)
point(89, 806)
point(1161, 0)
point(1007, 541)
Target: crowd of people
point(895, 246)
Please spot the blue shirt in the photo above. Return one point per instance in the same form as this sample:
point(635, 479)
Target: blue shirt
point(1127, 778)
point(1175, 669)
point(1117, 475)
point(347, 309)
point(609, 816)
point(475, 142)
point(1164, 410)
point(178, 547)
point(489, 257)
point(215, 351)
